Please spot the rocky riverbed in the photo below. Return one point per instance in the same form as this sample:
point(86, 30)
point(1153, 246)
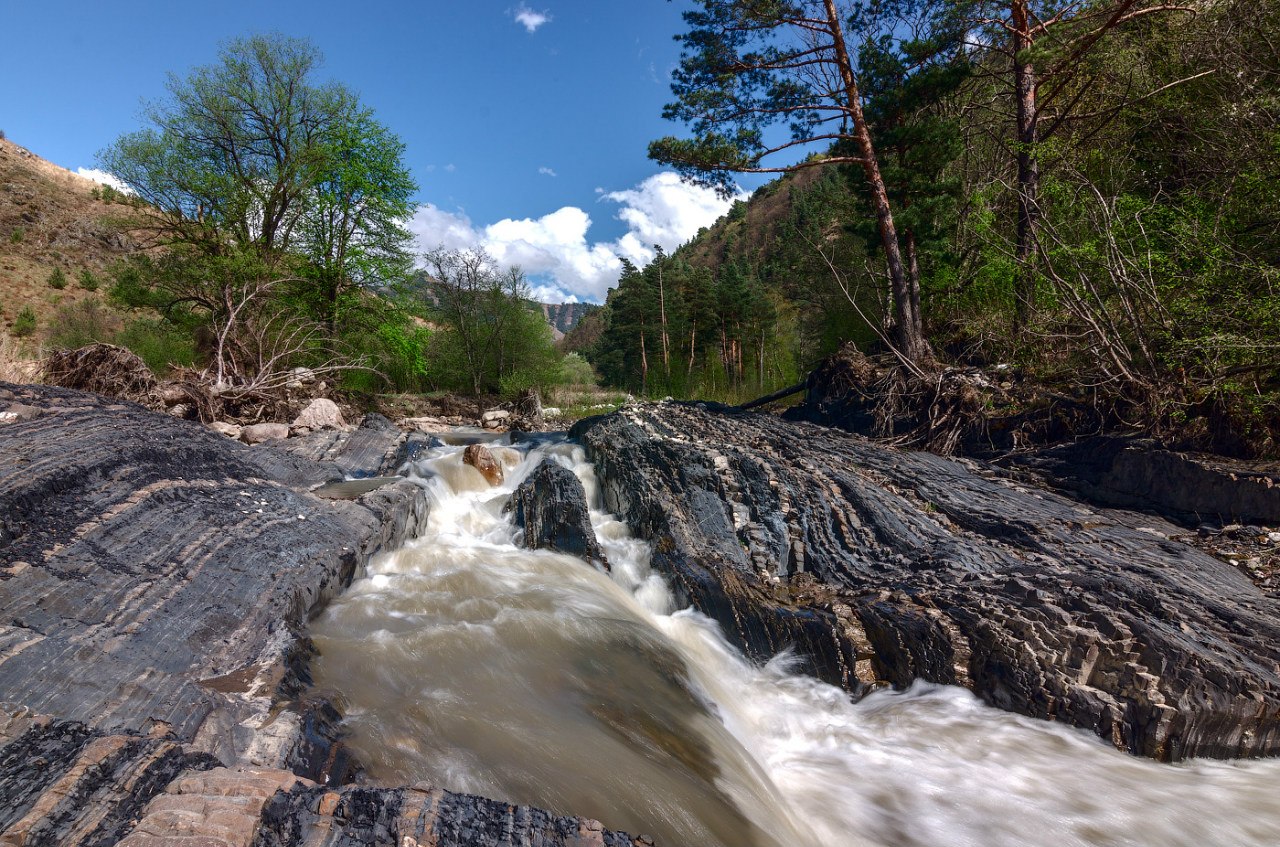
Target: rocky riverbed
point(157, 580)
point(884, 566)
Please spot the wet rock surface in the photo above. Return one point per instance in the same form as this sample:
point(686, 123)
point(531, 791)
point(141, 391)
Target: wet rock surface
point(397, 817)
point(883, 566)
point(550, 505)
point(156, 579)
point(482, 459)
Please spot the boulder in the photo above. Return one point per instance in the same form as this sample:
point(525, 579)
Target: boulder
point(883, 566)
point(370, 450)
point(321, 413)
point(550, 505)
point(481, 458)
point(258, 433)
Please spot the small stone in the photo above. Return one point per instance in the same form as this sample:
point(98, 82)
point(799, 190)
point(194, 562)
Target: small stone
point(1273, 537)
point(258, 433)
point(17, 412)
point(495, 415)
point(171, 394)
point(228, 429)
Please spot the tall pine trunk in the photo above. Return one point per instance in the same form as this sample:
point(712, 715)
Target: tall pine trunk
point(1028, 136)
point(909, 329)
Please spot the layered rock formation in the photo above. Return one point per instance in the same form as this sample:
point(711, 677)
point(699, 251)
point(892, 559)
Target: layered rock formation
point(550, 505)
point(883, 566)
point(156, 580)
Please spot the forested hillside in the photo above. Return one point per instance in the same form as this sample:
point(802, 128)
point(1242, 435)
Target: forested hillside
point(1086, 193)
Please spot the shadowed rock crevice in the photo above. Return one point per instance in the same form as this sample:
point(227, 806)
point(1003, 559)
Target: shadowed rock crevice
point(883, 566)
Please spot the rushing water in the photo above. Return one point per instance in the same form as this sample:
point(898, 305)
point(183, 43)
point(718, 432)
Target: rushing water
point(470, 663)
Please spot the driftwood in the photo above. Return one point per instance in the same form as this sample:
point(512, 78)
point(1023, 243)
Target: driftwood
point(777, 395)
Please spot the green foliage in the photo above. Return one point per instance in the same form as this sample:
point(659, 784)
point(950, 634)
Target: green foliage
point(491, 337)
point(24, 323)
point(162, 344)
point(281, 200)
point(77, 324)
point(57, 279)
point(17, 235)
point(576, 370)
point(87, 280)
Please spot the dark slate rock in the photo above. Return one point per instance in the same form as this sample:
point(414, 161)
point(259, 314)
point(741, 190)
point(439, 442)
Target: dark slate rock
point(1136, 473)
point(550, 505)
point(883, 566)
point(64, 783)
point(372, 449)
point(393, 817)
point(155, 575)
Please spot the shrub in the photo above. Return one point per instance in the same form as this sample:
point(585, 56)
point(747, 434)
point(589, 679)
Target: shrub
point(25, 323)
point(575, 370)
point(88, 281)
point(80, 324)
point(58, 279)
point(159, 343)
point(17, 235)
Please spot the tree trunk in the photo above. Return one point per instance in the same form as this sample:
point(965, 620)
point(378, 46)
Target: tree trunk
point(1024, 83)
point(644, 365)
point(693, 340)
point(662, 313)
point(909, 327)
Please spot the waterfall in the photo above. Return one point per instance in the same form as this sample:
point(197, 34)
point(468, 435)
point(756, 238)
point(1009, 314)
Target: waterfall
point(467, 662)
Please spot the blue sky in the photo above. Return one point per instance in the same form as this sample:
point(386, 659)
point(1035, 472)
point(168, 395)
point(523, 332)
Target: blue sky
point(525, 123)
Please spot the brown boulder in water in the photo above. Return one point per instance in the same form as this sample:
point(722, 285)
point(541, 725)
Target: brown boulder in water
point(481, 458)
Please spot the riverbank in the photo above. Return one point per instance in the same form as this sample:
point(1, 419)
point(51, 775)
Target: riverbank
point(158, 579)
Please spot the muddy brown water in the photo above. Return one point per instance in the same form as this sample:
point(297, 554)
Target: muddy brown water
point(467, 662)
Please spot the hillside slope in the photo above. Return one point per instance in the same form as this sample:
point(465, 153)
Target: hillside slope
point(49, 218)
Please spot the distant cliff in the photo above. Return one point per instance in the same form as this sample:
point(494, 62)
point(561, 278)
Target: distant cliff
point(563, 317)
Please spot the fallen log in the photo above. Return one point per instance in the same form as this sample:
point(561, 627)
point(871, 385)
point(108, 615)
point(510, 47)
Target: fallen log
point(777, 395)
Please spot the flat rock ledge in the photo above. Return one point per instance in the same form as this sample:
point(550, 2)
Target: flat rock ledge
point(882, 566)
point(156, 579)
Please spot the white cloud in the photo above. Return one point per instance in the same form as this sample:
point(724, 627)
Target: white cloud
point(103, 178)
point(530, 19)
point(546, 171)
point(554, 249)
point(450, 168)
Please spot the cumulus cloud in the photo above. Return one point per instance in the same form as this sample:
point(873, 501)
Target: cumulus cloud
point(666, 211)
point(103, 178)
point(555, 250)
point(546, 171)
point(530, 19)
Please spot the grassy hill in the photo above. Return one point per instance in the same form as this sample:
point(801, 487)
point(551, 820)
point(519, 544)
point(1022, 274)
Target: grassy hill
point(50, 218)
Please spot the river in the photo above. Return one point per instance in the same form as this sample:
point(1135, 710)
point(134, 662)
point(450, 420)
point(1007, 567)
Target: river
point(467, 662)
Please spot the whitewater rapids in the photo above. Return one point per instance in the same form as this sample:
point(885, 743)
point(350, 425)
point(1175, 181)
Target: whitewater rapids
point(467, 662)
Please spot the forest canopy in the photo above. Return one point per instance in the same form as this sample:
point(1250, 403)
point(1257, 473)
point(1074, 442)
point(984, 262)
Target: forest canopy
point(1086, 192)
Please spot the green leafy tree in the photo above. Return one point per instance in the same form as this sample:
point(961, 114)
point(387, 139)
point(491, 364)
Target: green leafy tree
point(57, 279)
point(281, 202)
point(490, 336)
point(748, 66)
